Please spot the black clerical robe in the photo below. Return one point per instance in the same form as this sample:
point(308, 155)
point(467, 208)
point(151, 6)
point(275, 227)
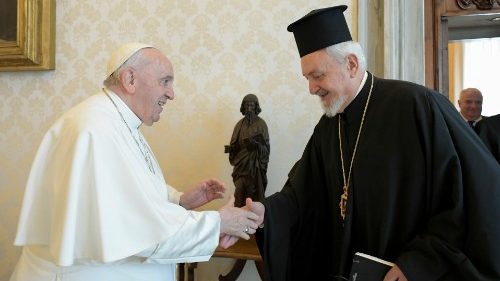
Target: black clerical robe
point(424, 193)
point(489, 131)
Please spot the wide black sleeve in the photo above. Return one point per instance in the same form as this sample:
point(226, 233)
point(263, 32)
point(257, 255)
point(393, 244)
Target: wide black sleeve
point(294, 233)
point(489, 131)
point(274, 239)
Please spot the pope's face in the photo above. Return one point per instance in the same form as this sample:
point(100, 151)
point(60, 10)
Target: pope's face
point(327, 79)
point(155, 87)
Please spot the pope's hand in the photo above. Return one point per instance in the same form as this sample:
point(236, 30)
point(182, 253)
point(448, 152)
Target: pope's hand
point(202, 193)
point(238, 222)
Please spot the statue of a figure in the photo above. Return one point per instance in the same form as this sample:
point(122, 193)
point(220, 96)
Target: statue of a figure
point(249, 153)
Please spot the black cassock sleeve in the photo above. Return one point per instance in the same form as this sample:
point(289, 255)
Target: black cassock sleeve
point(298, 242)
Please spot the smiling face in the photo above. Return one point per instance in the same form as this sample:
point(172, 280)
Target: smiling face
point(330, 80)
point(154, 86)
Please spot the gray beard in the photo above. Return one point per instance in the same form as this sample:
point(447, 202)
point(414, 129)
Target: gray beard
point(334, 108)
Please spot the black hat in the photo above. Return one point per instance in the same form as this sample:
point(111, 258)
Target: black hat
point(319, 29)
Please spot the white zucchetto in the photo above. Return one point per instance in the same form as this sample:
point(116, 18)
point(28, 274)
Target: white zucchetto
point(122, 54)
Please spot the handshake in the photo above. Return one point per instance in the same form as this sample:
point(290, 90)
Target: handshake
point(235, 223)
point(239, 223)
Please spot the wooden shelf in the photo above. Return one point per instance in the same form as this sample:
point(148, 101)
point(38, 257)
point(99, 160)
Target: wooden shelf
point(243, 249)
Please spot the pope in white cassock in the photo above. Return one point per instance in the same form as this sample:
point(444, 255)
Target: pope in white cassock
point(96, 205)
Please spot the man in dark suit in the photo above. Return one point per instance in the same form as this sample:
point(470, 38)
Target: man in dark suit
point(489, 131)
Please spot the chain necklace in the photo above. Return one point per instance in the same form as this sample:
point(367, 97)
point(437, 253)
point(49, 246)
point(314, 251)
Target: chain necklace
point(144, 151)
point(345, 194)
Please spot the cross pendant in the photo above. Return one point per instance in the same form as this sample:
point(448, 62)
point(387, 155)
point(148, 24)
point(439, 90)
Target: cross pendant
point(343, 203)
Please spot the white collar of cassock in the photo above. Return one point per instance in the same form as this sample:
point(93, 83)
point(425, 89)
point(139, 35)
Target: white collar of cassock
point(132, 120)
point(362, 84)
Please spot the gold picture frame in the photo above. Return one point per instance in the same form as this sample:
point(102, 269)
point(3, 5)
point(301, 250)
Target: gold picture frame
point(34, 45)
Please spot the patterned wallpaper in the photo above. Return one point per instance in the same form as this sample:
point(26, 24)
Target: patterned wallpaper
point(221, 51)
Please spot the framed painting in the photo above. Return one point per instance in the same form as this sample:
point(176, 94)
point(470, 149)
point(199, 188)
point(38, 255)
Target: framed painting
point(27, 35)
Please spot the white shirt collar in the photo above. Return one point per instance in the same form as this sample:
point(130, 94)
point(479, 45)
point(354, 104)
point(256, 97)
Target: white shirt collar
point(475, 121)
point(363, 81)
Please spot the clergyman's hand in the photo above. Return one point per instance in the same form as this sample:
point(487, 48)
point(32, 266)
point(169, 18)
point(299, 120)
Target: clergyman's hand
point(256, 208)
point(202, 193)
point(395, 274)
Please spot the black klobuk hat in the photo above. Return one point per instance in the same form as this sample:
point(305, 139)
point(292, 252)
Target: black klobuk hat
point(319, 29)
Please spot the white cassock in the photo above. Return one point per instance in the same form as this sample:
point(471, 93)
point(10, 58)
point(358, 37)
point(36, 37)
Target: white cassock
point(93, 210)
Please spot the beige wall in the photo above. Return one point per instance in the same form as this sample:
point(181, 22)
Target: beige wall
point(221, 50)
